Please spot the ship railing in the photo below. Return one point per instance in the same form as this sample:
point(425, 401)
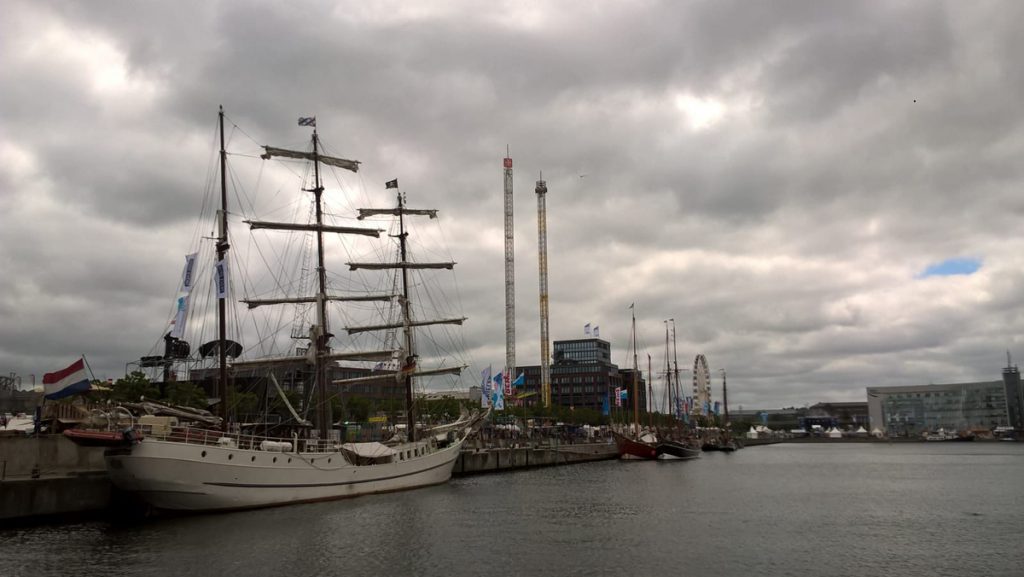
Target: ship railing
point(212, 438)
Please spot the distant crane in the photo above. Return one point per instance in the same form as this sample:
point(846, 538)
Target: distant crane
point(542, 247)
point(510, 276)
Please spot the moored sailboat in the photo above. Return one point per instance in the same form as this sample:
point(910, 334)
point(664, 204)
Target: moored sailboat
point(203, 468)
point(633, 443)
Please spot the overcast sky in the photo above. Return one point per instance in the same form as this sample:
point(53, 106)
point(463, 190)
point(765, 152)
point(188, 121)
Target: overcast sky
point(825, 196)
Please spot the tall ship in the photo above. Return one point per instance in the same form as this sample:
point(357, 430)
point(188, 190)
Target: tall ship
point(215, 463)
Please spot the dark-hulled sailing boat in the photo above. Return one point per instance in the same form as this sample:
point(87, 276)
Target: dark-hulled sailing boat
point(634, 443)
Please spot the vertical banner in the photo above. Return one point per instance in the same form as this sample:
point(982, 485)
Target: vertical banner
point(221, 278)
point(508, 384)
point(178, 330)
point(188, 278)
point(618, 396)
point(485, 387)
point(498, 393)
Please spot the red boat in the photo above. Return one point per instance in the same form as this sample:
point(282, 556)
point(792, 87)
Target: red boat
point(634, 449)
point(92, 438)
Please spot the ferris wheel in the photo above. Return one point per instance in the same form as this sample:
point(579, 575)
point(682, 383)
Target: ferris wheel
point(701, 386)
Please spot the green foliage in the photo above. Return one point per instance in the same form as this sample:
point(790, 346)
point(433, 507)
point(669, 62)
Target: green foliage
point(242, 402)
point(277, 405)
point(441, 410)
point(186, 394)
point(358, 408)
point(132, 388)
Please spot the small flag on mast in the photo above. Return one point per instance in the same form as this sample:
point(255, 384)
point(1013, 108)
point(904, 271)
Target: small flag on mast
point(307, 121)
point(391, 184)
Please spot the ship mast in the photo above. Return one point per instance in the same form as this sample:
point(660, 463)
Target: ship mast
point(633, 395)
point(222, 250)
point(669, 401)
point(321, 334)
point(675, 368)
point(408, 369)
point(650, 393)
point(409, 363)
point(725, 401)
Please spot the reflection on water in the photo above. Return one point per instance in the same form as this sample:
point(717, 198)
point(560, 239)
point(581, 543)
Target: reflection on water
point(849, 509)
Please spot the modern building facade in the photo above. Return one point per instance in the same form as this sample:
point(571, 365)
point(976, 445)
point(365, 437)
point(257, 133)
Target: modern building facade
point(583, 377)
point(915, 410)
point(1014, 397)
point(846, 416)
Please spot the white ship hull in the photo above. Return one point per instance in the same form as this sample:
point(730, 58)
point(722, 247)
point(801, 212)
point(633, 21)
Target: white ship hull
point(192, 477)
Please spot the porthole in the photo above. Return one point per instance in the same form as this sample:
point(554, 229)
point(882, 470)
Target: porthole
point(311, 461)
point(275, 459)
point(253, 459)
point(230, 456)
point(204, 454)
point(289, 459)
point(328, 459)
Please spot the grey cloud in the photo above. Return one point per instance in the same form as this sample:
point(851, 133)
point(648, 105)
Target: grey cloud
point(779, 237)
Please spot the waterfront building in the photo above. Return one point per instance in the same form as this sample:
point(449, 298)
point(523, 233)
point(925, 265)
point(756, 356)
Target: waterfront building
point(582, 377)
point(845, 416)
point(776, 419)
point(1014, 397)
point(917, 409)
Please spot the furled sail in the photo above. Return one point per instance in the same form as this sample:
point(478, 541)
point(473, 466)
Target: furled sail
point(257, 224)
point(451, 321)
point(350, 356)
point(271, 151)
point(405, 265)
point(365, 212)
point(253, 303)
point(393, 375)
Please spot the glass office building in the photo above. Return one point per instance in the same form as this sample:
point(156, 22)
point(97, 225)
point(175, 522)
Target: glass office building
point(582, 377)
point(915, 410)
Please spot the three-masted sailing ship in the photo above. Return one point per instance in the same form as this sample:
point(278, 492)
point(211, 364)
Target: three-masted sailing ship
point(193, 467)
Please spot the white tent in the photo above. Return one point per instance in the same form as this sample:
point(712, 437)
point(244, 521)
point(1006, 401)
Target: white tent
point(835, 433)
point(877, 433)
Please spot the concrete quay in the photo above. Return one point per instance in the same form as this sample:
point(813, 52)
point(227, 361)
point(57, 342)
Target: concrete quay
point(500, 456)
point(48, 476)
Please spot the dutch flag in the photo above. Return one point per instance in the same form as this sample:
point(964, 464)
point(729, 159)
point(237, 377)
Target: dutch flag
point(66, 382)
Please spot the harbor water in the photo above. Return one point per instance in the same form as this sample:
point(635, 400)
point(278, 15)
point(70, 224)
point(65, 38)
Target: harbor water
point(859, 509)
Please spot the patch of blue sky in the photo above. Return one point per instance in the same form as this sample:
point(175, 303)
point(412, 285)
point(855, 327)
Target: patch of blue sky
point(952, 267)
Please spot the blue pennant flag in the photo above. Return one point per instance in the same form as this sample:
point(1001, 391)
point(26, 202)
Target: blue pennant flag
point(520, 380)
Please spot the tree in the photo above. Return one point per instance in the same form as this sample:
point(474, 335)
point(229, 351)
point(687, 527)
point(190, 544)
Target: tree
point(134, 387)
point(186, 394)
